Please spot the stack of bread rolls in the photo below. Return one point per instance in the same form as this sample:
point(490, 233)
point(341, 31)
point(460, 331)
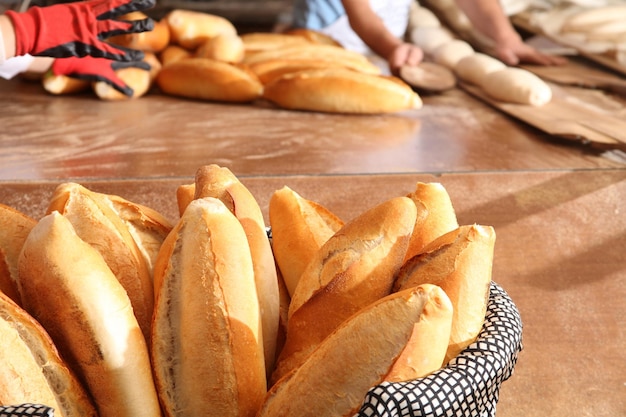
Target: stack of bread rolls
point(208, 316)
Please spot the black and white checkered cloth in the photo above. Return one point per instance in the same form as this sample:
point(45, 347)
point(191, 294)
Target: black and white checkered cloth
point(469, 385)
point(26, 410)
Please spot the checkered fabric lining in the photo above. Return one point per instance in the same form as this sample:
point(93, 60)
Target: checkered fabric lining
point(469, 385)
point(26, 410)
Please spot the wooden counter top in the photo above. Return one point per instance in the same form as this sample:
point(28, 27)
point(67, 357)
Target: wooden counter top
point(558, 210)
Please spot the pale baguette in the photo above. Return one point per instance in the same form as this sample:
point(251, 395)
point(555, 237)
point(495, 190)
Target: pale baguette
point(190, 28)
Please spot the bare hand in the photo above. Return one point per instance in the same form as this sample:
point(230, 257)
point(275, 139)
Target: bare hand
point(404, 54)
point(517, 52)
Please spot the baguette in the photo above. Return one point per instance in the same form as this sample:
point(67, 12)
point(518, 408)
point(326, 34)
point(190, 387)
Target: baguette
point(436, 216)
point(299, 229)
point(99, 225)
point(355, 267)
point(63, 84)
point(338, 90)
point(154, 40)
point(207, 79)
point(274, 68)
point(219, 182)
point(68, 287)
point(262, 41)
point(190, 29)
point(173, 53)
point(140, 80)
point(335, 378)
point(31, 370)
point(460, 262)
point(207, 351)
point(225, 47)
point(313, 36)
point(14, 229)
point(184, 196)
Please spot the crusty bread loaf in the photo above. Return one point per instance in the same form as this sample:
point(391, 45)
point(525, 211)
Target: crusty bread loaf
point(31, 370)
point(348, 58)
point(436, 216)
point(14, 229)
point(299, 229)
point(184, 195)
point(225, 47)
point(190, 28)
point(68, 287)
point(140, 80)
point(95, 221)
point(173, 53)
point(271, 69)
point(155, 65)
point(262, 41)
point(313, 36)
point(221, 183)
point(338, 90)
point(207, 350)
point(207, 79)
point(459, 262)
point(63, 84)
point(154, 40)
point(357, 356)
point(355, 267)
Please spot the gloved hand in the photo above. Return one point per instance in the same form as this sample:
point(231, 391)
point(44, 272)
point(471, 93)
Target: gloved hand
point(79, 29)
point(96, 69)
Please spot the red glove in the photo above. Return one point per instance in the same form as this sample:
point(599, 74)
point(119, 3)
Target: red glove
point(78, 29)
point(96, 69)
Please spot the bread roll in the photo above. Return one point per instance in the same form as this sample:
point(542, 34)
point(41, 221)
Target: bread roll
point(299, 229)
point(313, 36)
point(517, 85)
point(31, 370)
point(337, 90)
point(436, 216)
point(97, 224)
point(67, 286)
point(190, 29)
point(14, 229)
point(459, 262)
point(173, 53)
point(154, 40)
point(140, 80)
point(225, 47)
point(335, 378)
point(184, 196)
point(219, 182)
point(63, 84)
point(207, 79)
point(450, 53)
point(475, 68)
point(355, 267)
point(207, 350)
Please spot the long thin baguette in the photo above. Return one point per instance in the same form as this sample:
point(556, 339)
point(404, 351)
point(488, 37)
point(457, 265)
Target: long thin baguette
point(68, 287)
point(355, 267)
point(207, 350)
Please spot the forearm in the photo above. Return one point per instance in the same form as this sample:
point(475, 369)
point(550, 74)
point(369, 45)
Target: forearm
point(370, 28)
point(488, 17)
point(7, 38)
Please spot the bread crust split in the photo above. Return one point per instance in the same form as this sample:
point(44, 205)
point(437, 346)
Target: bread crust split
point(355, 267)
point(338, 90)
point(460, 262)
point(335, 378)
point(207, 350)
point(68, 287)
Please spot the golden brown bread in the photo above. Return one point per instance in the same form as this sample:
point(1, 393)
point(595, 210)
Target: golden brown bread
point(173, 53)
point(140, 80)
point(95, 221)
point(14, 229)
point(190, 28)
point(207, 79)
point(63, 84)
point(219, 182)
point(31, 370)
point(299, 229)
point(207, 348)
point(459, 262)
point(225, 47)
point(338, 90)
point(68, 287)
point(184, 196)
point(335, 378)
point(154, 40)
point(270, 69)
point(262, 41)
point(436, 215)
point(313, 36)
point(355, 267)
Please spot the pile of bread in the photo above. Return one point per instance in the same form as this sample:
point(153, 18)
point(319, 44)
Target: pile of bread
point(109, 309)
point(496, 79)
point(201, 56)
